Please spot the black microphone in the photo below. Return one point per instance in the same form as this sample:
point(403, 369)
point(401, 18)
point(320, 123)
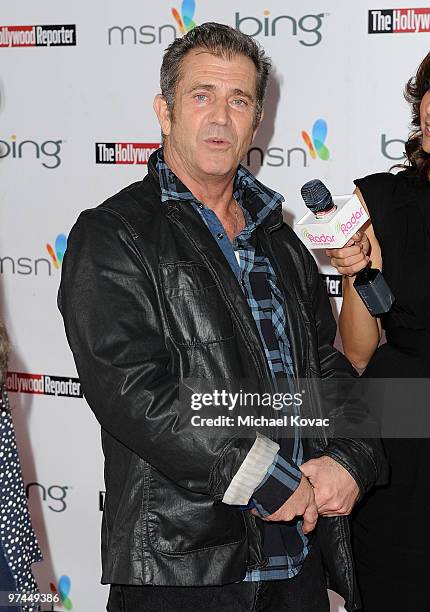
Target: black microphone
point(369, 282)
point(318, 198)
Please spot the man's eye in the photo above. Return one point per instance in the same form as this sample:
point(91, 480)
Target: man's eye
point(200, 97)
point(240, 102)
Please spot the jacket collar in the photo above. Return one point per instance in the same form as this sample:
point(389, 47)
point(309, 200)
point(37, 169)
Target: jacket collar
point(263, 205)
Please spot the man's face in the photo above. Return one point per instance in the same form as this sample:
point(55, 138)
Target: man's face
point(213, 120)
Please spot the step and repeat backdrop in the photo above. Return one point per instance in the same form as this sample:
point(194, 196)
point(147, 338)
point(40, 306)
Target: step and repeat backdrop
point(77, 82)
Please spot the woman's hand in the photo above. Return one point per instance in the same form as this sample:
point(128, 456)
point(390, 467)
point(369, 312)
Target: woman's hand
point(353, 257)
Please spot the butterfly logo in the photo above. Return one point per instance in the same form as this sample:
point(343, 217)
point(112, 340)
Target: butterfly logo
point(57, 254)
point(62, 591)
point(319, 135)
point(185, 22)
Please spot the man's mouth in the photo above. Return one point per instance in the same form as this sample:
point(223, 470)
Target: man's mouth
point(217, 141)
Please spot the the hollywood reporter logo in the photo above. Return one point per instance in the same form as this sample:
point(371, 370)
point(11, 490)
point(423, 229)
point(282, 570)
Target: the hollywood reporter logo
point(38, 36)
point(43, 384)
point(124, 152)
point(399, 21)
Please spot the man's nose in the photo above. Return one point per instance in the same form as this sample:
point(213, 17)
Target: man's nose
point(221, 112)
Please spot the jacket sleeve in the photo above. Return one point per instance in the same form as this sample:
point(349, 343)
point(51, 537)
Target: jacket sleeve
point(363, 457)
point(114, 326)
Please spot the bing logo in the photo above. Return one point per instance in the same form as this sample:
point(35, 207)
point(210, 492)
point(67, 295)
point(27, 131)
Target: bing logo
point(60, 248)
point(62, 591)
point(185, 23)
point(319, 135)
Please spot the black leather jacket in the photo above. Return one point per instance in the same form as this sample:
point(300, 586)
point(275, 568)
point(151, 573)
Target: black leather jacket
point(147, 300)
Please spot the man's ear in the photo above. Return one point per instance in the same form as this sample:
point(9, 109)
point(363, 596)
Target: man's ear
point(258, 125)
point(163, 114)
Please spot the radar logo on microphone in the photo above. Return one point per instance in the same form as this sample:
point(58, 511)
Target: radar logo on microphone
point(316, 143)
point(321, 239)
point(347, 227)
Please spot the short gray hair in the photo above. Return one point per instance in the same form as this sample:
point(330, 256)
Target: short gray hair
point(221, 40)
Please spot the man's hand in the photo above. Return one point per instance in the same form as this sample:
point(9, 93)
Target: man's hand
point(335, 489)
point(301, 503)
point(353, 257)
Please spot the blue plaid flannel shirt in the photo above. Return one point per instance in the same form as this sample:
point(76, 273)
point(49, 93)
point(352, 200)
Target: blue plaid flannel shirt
point(285, 544)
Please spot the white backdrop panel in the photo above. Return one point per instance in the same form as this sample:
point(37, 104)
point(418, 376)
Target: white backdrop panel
point(64, 99)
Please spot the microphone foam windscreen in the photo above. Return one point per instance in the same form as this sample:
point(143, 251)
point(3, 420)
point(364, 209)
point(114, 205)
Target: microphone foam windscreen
point(316, 195)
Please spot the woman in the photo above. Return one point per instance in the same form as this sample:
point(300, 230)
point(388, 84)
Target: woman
point(18, 545)
point(392, 526)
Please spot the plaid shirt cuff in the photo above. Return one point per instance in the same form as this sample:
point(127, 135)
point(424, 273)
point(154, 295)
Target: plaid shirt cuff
point(251, 472)
point(282, 479)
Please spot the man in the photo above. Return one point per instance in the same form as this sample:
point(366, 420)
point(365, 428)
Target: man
point(192, 274)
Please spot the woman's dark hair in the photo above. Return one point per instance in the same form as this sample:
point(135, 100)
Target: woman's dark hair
point(417, 159)
point(4, 352)
point(218, 39)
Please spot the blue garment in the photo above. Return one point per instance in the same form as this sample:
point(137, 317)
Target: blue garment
point(19, 545)
point(7, 583)
point(285, 544)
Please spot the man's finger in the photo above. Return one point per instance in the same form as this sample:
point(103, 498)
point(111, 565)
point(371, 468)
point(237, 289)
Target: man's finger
point(310, 518)
point(285, 515)
point(340, 507)
point(308, 468)
point(328, 508)
point(329, 514)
